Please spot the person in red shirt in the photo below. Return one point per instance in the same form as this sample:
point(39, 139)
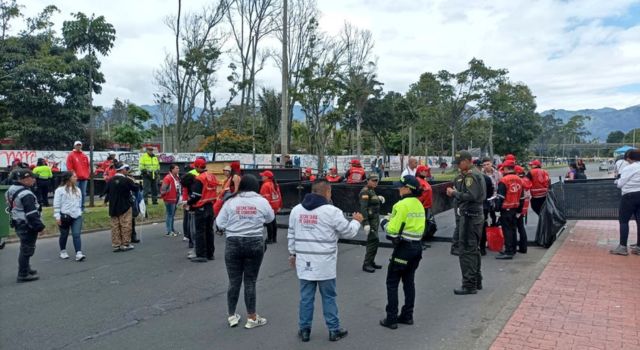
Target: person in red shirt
point(510, 201)
point(170, 192)
point(426, 198)
point(522, 231)
point(355, 174)
point(308, 175)
point(333, 176)
point(78, 163)
point(540, 183)
point(271, 192)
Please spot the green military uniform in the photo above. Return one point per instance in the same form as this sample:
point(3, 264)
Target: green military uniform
point(468, 207)
point(370, 208)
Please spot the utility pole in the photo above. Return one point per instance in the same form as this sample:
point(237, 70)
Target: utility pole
point(92, 121)
point(284, 121)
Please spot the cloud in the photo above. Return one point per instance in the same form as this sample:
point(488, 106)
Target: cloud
point(573, 54)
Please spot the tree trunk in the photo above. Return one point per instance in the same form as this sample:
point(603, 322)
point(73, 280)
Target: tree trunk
point(359, 136)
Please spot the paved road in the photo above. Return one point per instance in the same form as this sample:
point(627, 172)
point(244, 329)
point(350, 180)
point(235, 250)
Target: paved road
point(154, 298)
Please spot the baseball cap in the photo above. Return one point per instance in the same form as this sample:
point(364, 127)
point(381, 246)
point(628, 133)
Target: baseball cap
point(122, 166)
point(199, 163)
point(508, 163)
point(112, 153)
point(409, 181)
point(265, 173)
point(355, 162)
point(510, 157)
point(23, 174)
point(535, 162)
point(422, 168)
point(519, 169)
point(77, 143)
point(460, 156)
point(374, 176)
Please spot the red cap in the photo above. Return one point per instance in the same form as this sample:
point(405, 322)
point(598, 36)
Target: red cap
point(535, 162)
point(16, 160)
point(422, 168)
point(519, 169)
point(508, 163)
point(355, 162)
point(510, 157)
point(235, 166)
point(308, 170)
point(267, 173)
point(199, 163)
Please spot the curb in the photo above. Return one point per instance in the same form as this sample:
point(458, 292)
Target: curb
point(495, 326)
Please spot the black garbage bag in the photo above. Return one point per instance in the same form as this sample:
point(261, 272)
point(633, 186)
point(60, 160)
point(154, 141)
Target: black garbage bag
point(550, 222)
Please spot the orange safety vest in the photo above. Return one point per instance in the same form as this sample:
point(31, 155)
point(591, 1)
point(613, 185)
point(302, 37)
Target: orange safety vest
point(514, 191)
point(426, 196)
point(539, 182)
point(334, 178)
point(209, 189)
point(356, 175)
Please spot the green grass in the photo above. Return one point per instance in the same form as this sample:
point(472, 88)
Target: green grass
point(97, 218)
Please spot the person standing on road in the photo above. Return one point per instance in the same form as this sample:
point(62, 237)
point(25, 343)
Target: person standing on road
point(188, 221)
point(149, 167)
point(204, 191)
point(469, 193)
point(510, 201)
point(629, 183)
point(370, 204)
point(540, 183)
point(423, 174)
point(44, 175)
point(119, 193)
point(242, 219)
point(78, 162)
point(170, 191)
point(68, 214)
point(271, 192)
point(404, 228)
point(24, 211)
point(522, 230)
point(314, 229)
point(489, 170)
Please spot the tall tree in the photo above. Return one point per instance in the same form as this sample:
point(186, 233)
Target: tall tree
point(270, 109)
point(615, 137)
point(133, 131)
point(89, 35)
point(382, 117)
point(575, 130)
point(8, 11)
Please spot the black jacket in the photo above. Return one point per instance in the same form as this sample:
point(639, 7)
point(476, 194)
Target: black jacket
point(119, 193)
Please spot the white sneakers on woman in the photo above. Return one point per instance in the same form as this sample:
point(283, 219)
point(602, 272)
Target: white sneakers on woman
point(233, 320)
point(79, 255)
point(64, 255)
point(259, 321)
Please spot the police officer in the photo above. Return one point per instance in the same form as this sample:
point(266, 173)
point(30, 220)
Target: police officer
point(469, 194)
point(370, 207)
point(25, 218)
point(405, 229)
point(149, 166)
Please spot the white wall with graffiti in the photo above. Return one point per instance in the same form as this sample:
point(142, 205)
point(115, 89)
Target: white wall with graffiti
point(393, 163)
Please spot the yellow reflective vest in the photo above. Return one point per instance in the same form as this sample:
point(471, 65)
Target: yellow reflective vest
point(43, 172)
point(410, 212)
point(150, 164)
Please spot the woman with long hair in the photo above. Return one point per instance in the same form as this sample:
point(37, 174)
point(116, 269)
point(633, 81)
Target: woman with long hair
point(242, 219)
point(68, 214)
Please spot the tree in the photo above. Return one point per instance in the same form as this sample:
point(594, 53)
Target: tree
point(226, 141)
point(575, 130)
point(615, 137)
point(270, 109)
point(383, 119)
point(513, 114)
point(197, 50)
point(133, 132)
point(8, 11)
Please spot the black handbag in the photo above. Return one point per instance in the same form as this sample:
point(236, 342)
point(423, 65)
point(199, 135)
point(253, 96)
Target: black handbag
point(65, 221)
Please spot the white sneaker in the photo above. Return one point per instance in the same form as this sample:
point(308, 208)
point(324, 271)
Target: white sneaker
point(191, 254)
point(259, 321)
point(233, 320)
point(64, 255)
point(80, 256)
point(185, 239)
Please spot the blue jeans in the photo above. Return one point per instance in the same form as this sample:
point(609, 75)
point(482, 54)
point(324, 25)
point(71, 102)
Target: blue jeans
point(171, 213)
point(329, 306)
point(82, 185)
point(76, 229)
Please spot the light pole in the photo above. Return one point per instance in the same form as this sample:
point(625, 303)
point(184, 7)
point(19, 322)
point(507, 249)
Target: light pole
point(284, 116)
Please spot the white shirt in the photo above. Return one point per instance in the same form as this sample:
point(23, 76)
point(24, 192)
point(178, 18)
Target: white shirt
point(66, 203)
point(620, 164)
point(629, 180)
point(313, 236)
point(245, 215)
point(408, 171)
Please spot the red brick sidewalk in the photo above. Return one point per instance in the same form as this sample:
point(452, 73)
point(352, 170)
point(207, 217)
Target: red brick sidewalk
point(585, 298)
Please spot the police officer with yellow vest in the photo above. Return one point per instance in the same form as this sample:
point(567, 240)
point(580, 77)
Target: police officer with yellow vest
point(468, 196)
point(43, 179)
point(149, 166)
point(370, 208)
point(404, 228)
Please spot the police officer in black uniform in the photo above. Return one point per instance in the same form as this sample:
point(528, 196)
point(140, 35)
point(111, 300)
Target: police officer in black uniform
point(469, 195)
point(25, 218)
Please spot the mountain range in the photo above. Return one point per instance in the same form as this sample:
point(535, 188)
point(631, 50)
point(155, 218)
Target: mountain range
point(603, 120)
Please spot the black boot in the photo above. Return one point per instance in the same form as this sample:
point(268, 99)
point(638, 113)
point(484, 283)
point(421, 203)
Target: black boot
point(337, 335)
point(27, 278)
point(376, 266)
point(465, 291)
point(304, 334)
point(389, 324)
point(368, 268)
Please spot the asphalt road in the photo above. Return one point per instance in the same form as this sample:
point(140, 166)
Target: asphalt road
point(154, 298)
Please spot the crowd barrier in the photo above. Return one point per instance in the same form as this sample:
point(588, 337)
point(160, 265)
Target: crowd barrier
point(592, 199)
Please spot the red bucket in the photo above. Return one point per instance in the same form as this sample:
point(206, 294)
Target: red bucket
point(495, 238)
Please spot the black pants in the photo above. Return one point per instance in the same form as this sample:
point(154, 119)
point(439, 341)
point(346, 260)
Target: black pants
point(404, 262)
point(27, 248)
point(243, 257)
point(134, 234)
point(43, 192)
point(203, 237)
point(509, 227)
point(629, 206)
point(272, 231)
point(150, 187)
point(522, 234)
point(186, 226)
point(492, 214)
point(483, 238)
point(536, 204)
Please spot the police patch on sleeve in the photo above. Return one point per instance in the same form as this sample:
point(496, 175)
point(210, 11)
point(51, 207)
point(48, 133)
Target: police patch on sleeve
point(468, 181)
point(365, 197)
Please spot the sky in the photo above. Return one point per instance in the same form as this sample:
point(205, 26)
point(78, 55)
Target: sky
point(573, 54)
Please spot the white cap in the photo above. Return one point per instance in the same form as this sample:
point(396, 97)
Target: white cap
point(123, 166)
point(77, 143)
point(112, 153)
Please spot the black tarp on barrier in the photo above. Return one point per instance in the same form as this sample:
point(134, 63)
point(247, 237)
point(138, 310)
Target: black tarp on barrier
point(593, 199)
point(551, 221)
